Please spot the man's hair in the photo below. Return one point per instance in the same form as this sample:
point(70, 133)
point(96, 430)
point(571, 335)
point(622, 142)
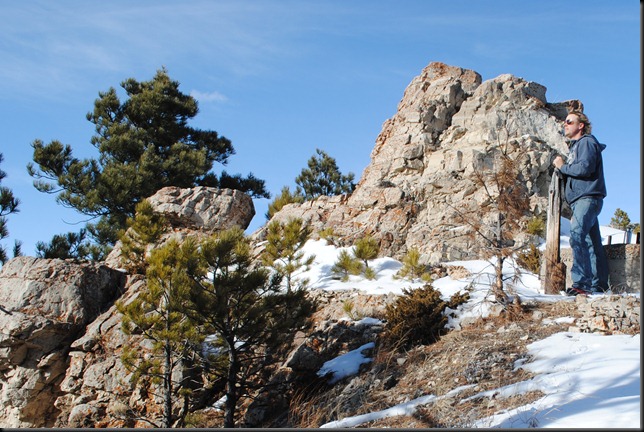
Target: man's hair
point(583, 119)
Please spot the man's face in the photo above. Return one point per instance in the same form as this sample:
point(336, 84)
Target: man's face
point(573, 129)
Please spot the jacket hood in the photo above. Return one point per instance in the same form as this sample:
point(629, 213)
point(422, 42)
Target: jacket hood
point(601, 146)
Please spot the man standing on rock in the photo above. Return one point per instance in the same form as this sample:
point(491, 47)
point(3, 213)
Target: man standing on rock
point(585, 190)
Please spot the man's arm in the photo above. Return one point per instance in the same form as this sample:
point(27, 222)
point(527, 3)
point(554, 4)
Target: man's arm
point(585, 162)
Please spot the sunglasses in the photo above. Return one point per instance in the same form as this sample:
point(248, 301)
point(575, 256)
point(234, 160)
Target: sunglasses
point(569, 122)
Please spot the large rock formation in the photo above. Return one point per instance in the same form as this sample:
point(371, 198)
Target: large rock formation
point(204, 208)
point(44, 306)
point(448, 125)
point(60, 332)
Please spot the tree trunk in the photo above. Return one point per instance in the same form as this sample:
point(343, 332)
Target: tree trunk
point(167, 384)
point(231, 390)
point(555, 274)
point(499, 292)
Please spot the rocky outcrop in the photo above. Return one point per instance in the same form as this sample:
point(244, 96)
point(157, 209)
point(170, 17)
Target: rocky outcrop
point(95, 390)
point(204, 208)
point(60, 332)
point(198, 211)
point(44, 306)
point(448, 125)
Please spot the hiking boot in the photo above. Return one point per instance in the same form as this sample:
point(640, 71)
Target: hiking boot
point(575, 291)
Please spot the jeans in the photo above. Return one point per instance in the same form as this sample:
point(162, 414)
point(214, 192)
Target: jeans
point(590, 266)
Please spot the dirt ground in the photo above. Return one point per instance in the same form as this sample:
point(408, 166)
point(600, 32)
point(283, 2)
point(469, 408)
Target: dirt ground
point(479, 357)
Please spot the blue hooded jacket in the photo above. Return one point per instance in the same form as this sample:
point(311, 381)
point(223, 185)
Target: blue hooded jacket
point(584, 169)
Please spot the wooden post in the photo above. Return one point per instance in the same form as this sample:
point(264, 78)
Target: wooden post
point(555, 274)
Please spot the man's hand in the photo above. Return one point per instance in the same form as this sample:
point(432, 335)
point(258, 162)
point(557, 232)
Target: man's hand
point(558, 162)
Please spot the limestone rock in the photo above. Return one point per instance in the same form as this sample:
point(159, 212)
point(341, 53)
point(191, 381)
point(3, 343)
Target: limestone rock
point(204, 208)
point(197, 211)
point(45, 304)
point(446, 127)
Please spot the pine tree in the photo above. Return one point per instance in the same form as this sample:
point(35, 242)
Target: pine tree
point(286, 197)
point(412, 268)
point(145, 144)
point(366, 249)
point(345, 265)
point(418, 316)
point(248, 315)
point(621, 221)
point(323, 178)
point(284, 249)
point(144, 229)
point(158, 314)
point(496, 222)
point(70, 246)
point(8, 205)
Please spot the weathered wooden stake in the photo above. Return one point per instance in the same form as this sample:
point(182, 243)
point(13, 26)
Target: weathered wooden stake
point(555, 274)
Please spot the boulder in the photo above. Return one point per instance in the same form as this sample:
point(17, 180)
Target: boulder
point(197, 211)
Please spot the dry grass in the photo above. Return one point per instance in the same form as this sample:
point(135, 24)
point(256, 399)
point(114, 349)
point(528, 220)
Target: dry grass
point(481, 356)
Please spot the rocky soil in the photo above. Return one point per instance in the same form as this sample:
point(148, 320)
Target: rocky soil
point(482, 354)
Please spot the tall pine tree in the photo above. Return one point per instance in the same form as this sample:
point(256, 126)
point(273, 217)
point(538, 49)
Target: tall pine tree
point(620, 220)
point(144, 144)
point(247, 313)
point(158, 314)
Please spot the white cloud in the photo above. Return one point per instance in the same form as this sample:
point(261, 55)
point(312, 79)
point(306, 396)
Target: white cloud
point(213, 96)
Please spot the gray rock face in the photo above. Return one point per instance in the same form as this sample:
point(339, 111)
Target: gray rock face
point(60, 333)
point(196, 211)
point(447, 126)
point(204, 208)
point(45, 305)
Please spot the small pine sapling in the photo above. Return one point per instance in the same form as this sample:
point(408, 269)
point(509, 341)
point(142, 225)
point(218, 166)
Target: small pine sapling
point(412, 268)
point(366, 249)
point(530, 259)
point(346, 265)
point(285, 197)
point(329, 235)
point(284, 249)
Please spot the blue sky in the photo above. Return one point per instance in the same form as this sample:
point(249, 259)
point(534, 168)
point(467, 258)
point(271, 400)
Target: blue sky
point(281, 78)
